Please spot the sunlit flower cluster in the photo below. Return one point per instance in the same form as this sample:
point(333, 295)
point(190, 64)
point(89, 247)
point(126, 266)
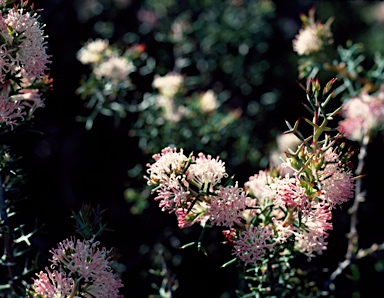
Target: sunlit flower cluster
point(79, 269)
point(23, 63)
point(24, 49)
point(270, 210)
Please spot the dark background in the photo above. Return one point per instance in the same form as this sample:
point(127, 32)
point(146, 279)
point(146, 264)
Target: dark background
point(68, 165)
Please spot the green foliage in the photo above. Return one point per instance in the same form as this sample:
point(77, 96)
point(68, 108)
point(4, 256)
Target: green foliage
point(275, 277)
point(17, 261)
point(223, 42)
point(88, 221)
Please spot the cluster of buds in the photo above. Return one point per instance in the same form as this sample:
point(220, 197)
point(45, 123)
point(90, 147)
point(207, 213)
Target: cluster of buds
point(23, 62)
point(78, 269)
point(272, 208)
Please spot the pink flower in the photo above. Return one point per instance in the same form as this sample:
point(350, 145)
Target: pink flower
point(227, 206)
point(198, 213)
point(30, 98)
point(252, 243)
point(86, 261)
point(10, 111)
point(337, 185)
point(182, 219)
point(17, 107)
point(362, 114)
point(257, 185)
point(172, 194)
point(206, 171)
point(284, 231)
point(53, 284)
point(5, 59)
point(317, 222)
point(289, 192)
point(230, 236)
point(31, 55)
point(168, 162)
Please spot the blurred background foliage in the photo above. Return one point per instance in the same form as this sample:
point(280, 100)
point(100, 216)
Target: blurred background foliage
point(242, 50)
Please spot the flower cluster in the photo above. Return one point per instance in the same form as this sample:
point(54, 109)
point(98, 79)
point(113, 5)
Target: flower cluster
point(362, 114)
point(23, 63)
point(293, 206)
point(110, 77)
point(169, 84)
point(78, 269)
point(300, 205)
point(107, 62)
point(274, 207)
point(23, 49)
point(313, 36)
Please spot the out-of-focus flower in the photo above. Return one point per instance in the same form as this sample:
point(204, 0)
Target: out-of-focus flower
point(169, 84)
point(115, 69)
point(307, 41)
point(92, 51)
point(313, 36)
point(362, 114)
point(378, 12)
point(252, 243)
point(208, 101)
point(170, 111)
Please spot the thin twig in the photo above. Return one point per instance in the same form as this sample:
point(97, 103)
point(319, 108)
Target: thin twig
point(353, 235)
